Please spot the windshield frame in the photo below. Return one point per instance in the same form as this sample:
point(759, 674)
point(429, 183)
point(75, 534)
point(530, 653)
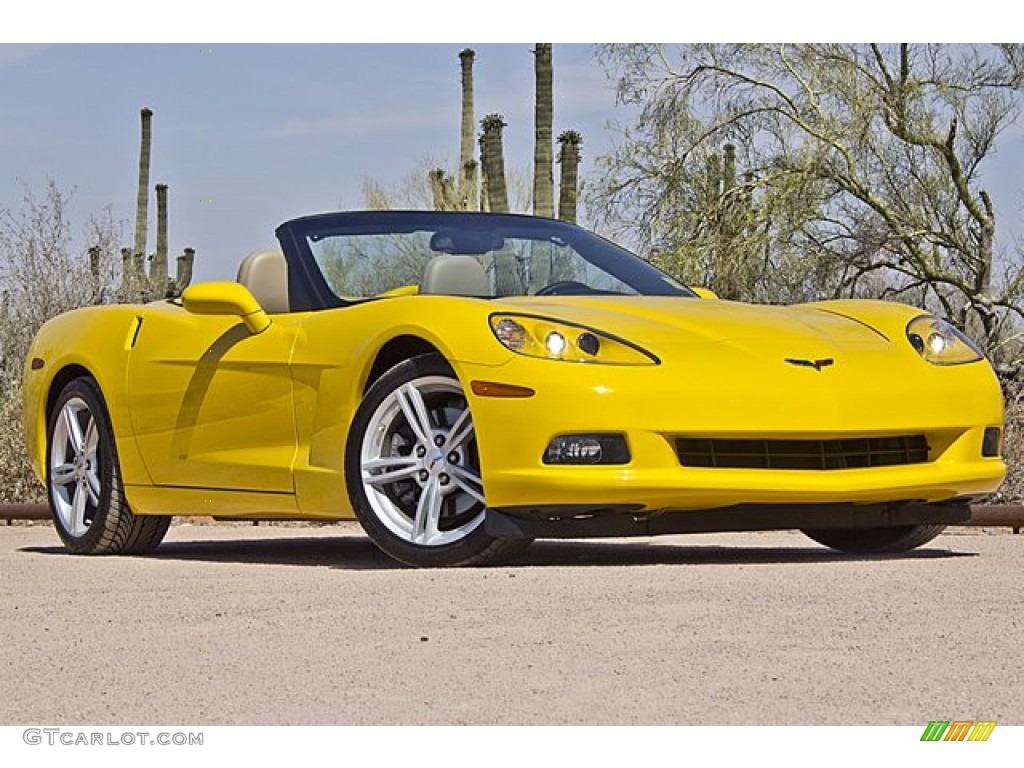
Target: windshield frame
point(308, 288)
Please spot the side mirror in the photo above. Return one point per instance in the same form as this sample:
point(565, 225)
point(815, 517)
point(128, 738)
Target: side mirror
point(703, 293)
point(226, 299)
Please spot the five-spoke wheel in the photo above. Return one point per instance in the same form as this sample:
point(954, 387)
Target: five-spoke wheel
point(74, 468)
point(413, 470)
point(84, 479)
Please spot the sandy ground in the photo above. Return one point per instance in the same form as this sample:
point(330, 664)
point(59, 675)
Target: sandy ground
point(298, 625)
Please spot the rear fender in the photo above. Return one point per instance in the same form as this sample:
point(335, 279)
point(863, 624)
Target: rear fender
point(96, 341)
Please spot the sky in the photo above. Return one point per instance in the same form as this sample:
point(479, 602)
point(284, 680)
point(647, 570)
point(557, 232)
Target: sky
point(250, 135)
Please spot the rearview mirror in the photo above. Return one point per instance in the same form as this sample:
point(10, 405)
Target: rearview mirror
point(224, 298)
point(465, 242)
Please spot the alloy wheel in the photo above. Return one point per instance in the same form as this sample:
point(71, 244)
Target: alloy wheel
point(75, 484)
point(419, 463)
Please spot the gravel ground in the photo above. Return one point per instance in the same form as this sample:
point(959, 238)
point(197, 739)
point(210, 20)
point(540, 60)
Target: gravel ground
point(229, 624)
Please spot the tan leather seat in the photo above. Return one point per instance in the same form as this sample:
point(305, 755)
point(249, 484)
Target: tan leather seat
point(454, 275)
point(265, 274)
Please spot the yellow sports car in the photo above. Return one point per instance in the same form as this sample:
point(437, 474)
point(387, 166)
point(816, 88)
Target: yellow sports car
point(462, 383)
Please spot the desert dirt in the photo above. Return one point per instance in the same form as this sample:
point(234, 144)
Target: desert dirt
point(230, 624)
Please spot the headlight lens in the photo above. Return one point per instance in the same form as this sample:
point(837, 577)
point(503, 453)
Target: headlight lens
point(510, 333)
point(941, 343)
point(558, 340)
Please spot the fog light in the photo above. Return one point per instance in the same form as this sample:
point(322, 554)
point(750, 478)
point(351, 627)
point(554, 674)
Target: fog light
point(587, 449)
point(990, 442)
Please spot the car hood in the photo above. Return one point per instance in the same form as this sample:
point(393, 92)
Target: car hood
point(656, 319)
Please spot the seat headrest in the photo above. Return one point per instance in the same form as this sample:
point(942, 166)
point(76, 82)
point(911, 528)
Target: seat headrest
point(453, 275)
point(265, 274)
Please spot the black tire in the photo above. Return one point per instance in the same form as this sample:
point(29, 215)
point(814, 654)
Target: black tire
point(390, 511)
point(860, 541)
point(106, 525)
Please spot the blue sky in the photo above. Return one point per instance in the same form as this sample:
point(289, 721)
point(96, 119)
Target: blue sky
point(247, 136)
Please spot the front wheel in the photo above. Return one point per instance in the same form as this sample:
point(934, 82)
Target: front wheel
point(83, 477)
point(413, 472)
point(862, 541)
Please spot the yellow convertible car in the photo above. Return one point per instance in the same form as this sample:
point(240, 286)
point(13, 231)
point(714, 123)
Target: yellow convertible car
point(462, 384)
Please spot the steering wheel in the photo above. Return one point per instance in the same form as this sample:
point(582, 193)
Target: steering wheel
point(564, 287)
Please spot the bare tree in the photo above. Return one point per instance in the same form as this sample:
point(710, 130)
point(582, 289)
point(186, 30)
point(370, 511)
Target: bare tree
point(41, 275)
point(870, 155)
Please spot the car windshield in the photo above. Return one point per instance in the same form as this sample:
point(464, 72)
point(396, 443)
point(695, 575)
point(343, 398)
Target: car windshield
point(360, 256)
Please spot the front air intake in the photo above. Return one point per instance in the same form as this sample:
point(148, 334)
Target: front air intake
point(846, 453)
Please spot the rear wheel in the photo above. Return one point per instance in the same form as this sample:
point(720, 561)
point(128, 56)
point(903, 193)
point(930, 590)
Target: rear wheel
point(84, 479)
point(901, 538)
point(413, 471)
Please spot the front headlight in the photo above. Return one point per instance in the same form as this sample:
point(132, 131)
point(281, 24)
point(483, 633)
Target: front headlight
point(941, 343)
point(558, 340)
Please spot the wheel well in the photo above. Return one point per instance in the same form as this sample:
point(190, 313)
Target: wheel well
point(397, 350)
point(64, 377)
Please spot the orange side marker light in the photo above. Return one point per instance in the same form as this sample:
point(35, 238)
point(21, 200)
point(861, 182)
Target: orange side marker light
point(496, 389)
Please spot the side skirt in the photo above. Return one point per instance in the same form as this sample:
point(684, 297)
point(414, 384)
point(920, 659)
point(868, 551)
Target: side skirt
point(174, 500)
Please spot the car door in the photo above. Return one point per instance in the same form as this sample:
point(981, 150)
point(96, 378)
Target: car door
point(211, 403)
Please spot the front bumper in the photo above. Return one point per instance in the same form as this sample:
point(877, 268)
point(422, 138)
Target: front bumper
point(652, 406)
point(571, 523)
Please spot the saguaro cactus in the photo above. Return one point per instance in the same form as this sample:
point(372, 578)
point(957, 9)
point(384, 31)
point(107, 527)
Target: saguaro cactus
point(142, 200)
point(158, 265)
point(507, 279)
point(95, 253)
point(494, 163)
point(184, 273)
point(136, 284)
point(467, 163)
point(729, 167)
point(569, 158)
point(127, 268)
point(485, 204)
point(442, 187)
point(543, 177)
point(733, 255)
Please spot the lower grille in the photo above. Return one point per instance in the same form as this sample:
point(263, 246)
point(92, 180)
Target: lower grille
point(847, 453)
